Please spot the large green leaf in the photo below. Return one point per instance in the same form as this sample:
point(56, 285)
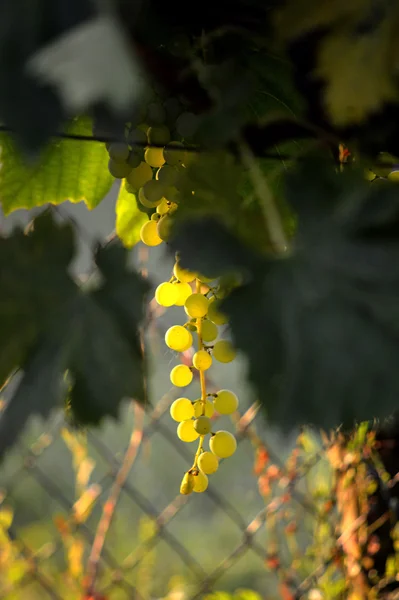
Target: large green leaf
point(129, 219)
point(67, 170)
point(49, 326)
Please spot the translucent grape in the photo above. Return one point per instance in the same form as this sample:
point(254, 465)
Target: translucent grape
point(182, 274)
point(223, 444)
point(394, 176)
point(155, 216)
point(153, 191)
point(200, 482)
point(224, 351)
point(208, 463)
point(178, 338)
point(119, 170)
point(186, 431)
point(181, 376)
point(204, 279)
point(196, 305)
point(149, 234)
point(182, 409)
point(144, 201)
point(187, 484)
point(134, 159)
point(119, 152)
point(154, 157)
point(202, 425)
point(172, 194)
point(209, 331)
point(166, 293)
point(164, 225)
point(226, 402)
point(163, 207)
point(185, 291)
point(209, 408)
point(215, 315)
point(187, 124)
point(139, 176)
point(174, 153)
point(167, 175)
point(159, 135)
point(202, 360)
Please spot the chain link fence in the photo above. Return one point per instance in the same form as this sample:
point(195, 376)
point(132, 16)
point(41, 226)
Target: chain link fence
point(97, 514)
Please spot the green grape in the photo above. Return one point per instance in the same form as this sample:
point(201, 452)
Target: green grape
point(154, 157)
point(155, 216)
point(119, 152)
point(144, 201)
point(202, 425)
point(223, 444)
point(394, 176)
point(166, 293)
point(186, 431)
point(208, 463)
point(181, 376)
point(163, 207)
point(172, 194)
point(139, 176)
point(226, 402)
point(185, 291)
point(209, 331)
point(202, 360)
point(209, 408)
point(167, 175)
point(215, 315)
point(187, 124)
point(164, 226)
point(137, 136)
point(187, 484)
point(153, 191)
point(200, 482)
point(134, 159)
point(182, 274)
point(224, 351)
point(174, 154)
point(182, 409)
point(149, 235)
point(156, 114)
point(119, 170)
point(196, 305)
point(159, 136)
point(204, 279)
point(178, 338)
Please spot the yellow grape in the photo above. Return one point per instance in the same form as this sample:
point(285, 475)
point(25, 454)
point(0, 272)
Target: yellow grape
point(196, 306)
point(184, 290)
point(208, 463)
point(155, 216)
point(182, 409)
point(202, 425)
point(182, 274)
point(144, 201)
point(394, 176)
point(186, 431)
point(187, 484)
point(164, 225)
point(181, 375)
point(174, 153)
point(178, 338)
point(149, 234)
point(166, 293)
point(152, 191)
point(200, 482)
point(215, 315)
point(158, 136)
point(139, 176)
point(154, 157)
point(209, 331)
point(224, 351)
point(226, 402)
point(204, 279)
point(202, 360)
point(223, 444)
point(209, 408)
point(163, 207)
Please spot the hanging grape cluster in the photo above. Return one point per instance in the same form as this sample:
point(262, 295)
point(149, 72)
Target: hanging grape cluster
point(199, 297)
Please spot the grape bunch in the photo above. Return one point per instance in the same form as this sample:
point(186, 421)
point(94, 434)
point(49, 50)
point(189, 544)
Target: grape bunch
point(152, 158)
point(199, 297)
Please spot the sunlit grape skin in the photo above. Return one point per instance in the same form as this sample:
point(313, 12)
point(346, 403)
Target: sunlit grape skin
point(223, 444)
point(208, 463)
point(178, 338)
point(186, 431)
point(149, 234)
point(196, 305)
point(202, 425)
point(200, 482)
point(187, 484)
point(198, 408)
point(202, 360)
point(224, 351)
point(226, 402)
point(181, 375)
point(182, 410)
point(166, 293)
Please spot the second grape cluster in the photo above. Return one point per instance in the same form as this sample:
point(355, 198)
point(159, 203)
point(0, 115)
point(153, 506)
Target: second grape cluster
point(199, 297)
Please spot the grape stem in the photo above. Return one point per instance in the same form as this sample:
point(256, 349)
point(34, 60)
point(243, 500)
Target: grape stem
point(202, 378)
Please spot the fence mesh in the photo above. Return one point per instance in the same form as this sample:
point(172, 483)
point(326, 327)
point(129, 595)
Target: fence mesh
point(97, 514)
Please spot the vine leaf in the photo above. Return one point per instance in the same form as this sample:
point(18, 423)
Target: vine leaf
point(320, 328)
point(129, 218)
point(62, 337)
point(67, 170)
